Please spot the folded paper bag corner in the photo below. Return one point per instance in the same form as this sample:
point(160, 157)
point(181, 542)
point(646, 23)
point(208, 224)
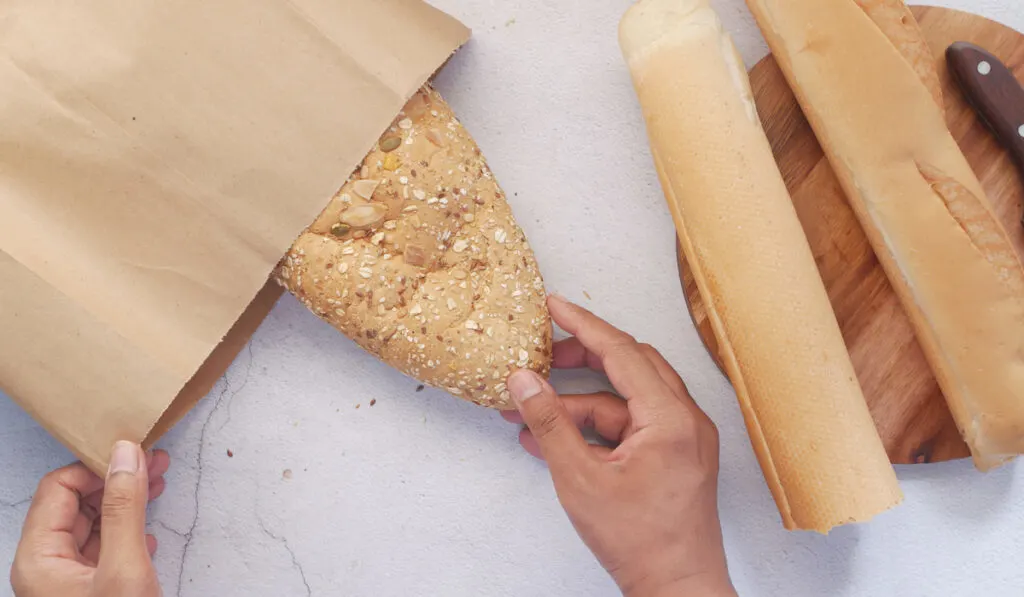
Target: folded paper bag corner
point(158, 160)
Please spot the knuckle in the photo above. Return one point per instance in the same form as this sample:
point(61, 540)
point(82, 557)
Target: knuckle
point(546, 422)
point(688, 428)
point(625, 339)
point(18, 577)
point(705, 426)
point(712, 430)
point(621, 346)
point(128, 579)
point(683, 389)
point(49, 481)
point(611, 402)
point(117, 501)
point(698, 436)
point(89, 511)
point(26, 576)
point(132, 577)
point(692, 427)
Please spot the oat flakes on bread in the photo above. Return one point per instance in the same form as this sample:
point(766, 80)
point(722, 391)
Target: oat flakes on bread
point(419, 259)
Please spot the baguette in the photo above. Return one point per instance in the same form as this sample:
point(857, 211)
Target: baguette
point(894, 19)
point(779, 340)
point(921, 206)
point(419, 260)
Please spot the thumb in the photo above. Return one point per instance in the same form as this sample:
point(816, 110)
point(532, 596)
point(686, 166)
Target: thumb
point(561, 443)
point(125, 495)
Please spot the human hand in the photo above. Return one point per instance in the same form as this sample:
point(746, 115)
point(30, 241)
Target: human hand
point(647, 508)
point(61, 552)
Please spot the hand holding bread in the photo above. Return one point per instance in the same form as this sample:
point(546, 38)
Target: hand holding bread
point(420, 261)
point(648, 507)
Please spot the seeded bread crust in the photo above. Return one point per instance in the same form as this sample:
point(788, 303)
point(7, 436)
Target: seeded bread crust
point(419, 259)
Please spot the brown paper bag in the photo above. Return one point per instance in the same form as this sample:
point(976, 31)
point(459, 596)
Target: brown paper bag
point(156, 160)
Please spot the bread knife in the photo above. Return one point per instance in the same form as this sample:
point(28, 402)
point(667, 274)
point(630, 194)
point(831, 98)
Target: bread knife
point(994, 93)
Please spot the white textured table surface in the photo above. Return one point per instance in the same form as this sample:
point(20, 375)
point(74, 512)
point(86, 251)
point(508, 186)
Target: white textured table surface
point(422, 494)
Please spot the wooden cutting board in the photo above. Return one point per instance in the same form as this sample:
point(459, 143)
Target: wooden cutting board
point(904, 399)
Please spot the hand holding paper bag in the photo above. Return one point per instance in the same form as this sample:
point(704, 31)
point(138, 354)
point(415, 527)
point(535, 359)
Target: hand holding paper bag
point(85, 536)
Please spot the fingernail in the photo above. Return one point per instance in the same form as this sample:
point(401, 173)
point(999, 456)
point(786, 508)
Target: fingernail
point(124, 458)
point(524, 385)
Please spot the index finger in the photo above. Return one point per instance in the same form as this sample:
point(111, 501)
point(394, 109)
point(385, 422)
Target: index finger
point(624, 361)
point(55, 505)
point(572, 354)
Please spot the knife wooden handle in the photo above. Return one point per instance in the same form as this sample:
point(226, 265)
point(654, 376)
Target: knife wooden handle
point(994, 93)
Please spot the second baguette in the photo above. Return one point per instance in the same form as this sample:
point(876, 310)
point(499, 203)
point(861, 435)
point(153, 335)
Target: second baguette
point(922, 208)
point(894, 19)
point(779, 340)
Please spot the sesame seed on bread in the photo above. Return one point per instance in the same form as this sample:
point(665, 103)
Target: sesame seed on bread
point(419, 259)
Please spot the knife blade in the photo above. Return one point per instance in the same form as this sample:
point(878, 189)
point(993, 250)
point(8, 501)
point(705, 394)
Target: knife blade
point(994, 93)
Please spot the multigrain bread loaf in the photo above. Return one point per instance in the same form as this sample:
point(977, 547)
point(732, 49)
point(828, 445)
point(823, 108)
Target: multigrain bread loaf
point(419, 260)
point(921, 206)
point(778, 336)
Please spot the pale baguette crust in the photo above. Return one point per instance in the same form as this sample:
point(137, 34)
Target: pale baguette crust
point(426, 267)
point(781, 345)
point(921, 206)
point(894, 19)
